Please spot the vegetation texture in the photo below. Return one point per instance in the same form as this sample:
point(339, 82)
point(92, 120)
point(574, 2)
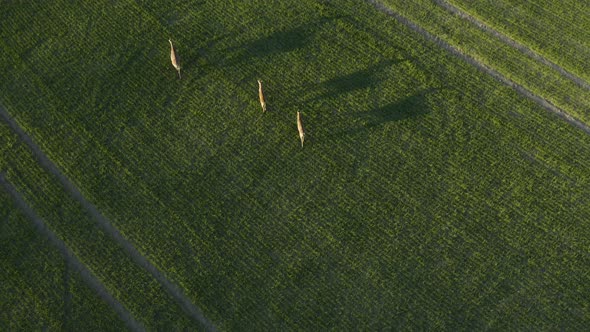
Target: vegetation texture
point(427, 195)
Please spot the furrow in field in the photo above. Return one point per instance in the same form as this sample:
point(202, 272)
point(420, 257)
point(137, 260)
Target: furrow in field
point(72, 260)
point(522, 48)
point(171, 288)
point(481, 66)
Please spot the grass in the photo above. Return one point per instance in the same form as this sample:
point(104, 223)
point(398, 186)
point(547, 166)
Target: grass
point(39, 290)
point(429, 196)
point(558, 30)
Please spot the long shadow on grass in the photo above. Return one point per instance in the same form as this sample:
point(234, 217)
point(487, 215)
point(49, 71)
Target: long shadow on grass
point(365, 78)
point(408, 107)
point(282, 41)
point(405, 108)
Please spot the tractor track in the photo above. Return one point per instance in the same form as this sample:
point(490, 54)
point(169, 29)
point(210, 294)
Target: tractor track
point(513, 43)
point(72, 261)
point(482, 67)
point(191, 309)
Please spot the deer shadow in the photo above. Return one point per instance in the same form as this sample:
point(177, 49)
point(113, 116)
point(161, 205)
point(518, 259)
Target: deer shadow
point(287, 40)
point(362, 79)
point(409, 107)
point(280, 41)
point(277, 42)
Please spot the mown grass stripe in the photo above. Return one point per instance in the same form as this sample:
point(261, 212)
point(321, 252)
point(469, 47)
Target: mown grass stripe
point(521, 47)
point(170, 287)
point(71, 258)
point(492, 72)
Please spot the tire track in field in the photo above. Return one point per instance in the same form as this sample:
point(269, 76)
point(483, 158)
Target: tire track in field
point(479, 65)
point(192, 310)
point(71, 260)
point(513, 43)
point(67, 296)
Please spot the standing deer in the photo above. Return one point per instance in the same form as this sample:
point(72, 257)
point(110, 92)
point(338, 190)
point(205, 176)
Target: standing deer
point(261, 96)
point(300, 128)
point(173, 58)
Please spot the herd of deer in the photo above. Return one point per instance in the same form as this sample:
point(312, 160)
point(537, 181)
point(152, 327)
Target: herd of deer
point(174, 59)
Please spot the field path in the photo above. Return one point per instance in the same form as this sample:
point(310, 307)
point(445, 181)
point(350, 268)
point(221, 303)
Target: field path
point(521, 47)
point(171, 288)
point(71, 260)
point(495, 74)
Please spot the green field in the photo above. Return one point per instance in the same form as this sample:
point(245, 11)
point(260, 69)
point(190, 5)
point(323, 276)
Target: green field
point(428, 195)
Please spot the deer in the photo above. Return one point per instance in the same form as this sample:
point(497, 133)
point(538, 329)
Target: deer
point(261, 96)
point(300, 128)
point(174, 59)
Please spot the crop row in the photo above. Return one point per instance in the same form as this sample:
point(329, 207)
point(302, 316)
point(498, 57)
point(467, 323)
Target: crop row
point(558, 30)
point(510, 62)
point(429, 195)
